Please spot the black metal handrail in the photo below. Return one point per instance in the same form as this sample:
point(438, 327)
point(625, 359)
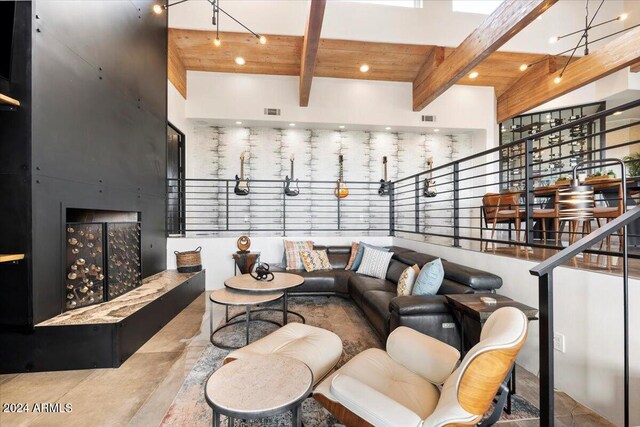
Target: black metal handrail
point(544, 271)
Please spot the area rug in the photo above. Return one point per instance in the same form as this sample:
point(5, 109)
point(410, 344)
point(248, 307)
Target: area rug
point(335, 314)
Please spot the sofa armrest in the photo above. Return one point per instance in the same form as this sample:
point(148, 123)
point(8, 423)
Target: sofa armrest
point(371, 405)
point(415, 305)
point(426, 356)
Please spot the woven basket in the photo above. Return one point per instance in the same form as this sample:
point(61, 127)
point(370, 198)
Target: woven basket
point(189, 261)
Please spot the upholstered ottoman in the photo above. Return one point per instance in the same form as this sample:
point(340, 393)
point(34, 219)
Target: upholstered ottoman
point(318, 348)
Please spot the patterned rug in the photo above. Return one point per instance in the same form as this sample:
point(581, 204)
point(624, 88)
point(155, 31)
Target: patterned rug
point(335, 314)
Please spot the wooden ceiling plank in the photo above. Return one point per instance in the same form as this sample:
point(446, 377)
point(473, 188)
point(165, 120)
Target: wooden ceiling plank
point(635, 68)
point(176, 70)
point(534, 89)
point(310, 49)
point(499, 27)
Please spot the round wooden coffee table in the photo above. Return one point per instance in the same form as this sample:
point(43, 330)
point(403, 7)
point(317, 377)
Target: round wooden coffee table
point(231, 297)
point(259, 387)
point(281, 282)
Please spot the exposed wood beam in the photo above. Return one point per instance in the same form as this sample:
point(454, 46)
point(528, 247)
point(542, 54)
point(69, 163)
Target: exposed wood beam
point(434, 59)
point(310, 49)
point(499, 27)
point(176, 71)
point(635, 68)
point(534, 89)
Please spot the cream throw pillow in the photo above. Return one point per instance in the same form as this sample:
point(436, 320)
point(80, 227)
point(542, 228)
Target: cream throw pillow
point(407, 280)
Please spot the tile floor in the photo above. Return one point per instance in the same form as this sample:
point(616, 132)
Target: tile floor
point(141, 390)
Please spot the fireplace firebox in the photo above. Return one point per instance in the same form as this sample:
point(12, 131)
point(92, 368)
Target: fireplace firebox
point(103, 259)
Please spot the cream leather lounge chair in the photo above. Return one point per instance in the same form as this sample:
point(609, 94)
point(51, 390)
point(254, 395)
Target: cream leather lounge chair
point(400, 387)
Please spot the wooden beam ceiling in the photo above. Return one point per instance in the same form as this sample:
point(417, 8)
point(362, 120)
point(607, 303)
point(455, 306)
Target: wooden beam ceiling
point(336, 58)
point(536, 88)
point(176, 71)
point(499, 27)
point(635, 68)
point(310, 46)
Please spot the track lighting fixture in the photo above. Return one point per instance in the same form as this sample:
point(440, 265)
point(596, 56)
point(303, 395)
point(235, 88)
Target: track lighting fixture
point(524, 67)
point(158, 8)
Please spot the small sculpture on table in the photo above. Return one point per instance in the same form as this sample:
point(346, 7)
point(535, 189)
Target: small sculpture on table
point(262, 273)
point(245, 260)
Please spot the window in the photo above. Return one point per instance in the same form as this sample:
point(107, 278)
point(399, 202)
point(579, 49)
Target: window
point(400, 3)
point(485, 7)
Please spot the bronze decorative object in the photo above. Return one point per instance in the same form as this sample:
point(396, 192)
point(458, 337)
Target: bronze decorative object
point(243, 243)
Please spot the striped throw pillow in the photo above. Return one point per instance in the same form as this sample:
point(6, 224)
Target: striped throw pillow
point(354, 253)
point(315, 260)
point(374, 263)
point(292, 253)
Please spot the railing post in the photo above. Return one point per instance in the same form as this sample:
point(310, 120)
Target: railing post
point(284, 210)
point(227, 204)
point(392, 209)
point(545, 304)
point(417, 205)
point(456, 205)
point(338, 201)
point(529, 196)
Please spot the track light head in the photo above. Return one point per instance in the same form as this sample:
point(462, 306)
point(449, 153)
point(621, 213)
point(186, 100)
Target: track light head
point(263, 40)
point(217, 42)
point(554, 39)
point(623, 16)
point(524, 67)
point(158, 8)
point(558, 79)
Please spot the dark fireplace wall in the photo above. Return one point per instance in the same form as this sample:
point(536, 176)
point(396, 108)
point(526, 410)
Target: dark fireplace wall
point(98, 135)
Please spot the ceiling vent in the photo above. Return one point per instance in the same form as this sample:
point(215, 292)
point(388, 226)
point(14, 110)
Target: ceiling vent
point(271, 111)
point(428, 118)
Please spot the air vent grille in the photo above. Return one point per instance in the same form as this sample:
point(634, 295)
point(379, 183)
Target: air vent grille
point(271, 111)
point(428, 118)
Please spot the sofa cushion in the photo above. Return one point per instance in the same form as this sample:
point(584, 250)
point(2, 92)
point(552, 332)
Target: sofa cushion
point(451, 287)
point(292, 253)
point(395, 270)
point(360, 254)
point(476, 279)
point(352, 257)
point(315, 260)
point(407, 280)
point(323, 282)
point(358, 285)
point(375, 305)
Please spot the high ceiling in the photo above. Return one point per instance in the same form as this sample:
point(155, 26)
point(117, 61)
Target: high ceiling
point(336, 58)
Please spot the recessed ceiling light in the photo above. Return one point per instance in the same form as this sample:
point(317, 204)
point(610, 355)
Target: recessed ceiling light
point(341, 126)
point(238, 122)
point(524, 67)
point(263, 40)
point(436, 130)
point(217, 42)
point(292, 124)
point(364, 68)
point(387, 128)
point(473, 75)
point(617, 113)
point(157, 9)
point(240, 60)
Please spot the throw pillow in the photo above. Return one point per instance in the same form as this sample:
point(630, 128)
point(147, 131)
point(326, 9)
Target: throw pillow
point(315, 260)
point(292, 253)
point(429, 279)
point(375, 263)
point(359, 255)
point(407, 280)
point(354, 253)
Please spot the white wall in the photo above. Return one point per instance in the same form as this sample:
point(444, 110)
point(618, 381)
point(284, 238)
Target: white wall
point(216, 252)
point(588, 312)
point(176, 109)
point(227, 96)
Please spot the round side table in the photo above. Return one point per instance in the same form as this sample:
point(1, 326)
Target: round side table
point(259, 387)
point(230, 297)
point(281, 282)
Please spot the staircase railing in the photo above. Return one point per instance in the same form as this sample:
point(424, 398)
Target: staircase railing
point(544, 271)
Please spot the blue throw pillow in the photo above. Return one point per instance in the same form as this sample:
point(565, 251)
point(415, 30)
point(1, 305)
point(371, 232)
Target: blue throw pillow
point(429, 279)
point(358, 260)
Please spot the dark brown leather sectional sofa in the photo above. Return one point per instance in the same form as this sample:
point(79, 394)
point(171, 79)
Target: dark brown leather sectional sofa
point(378, 300)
